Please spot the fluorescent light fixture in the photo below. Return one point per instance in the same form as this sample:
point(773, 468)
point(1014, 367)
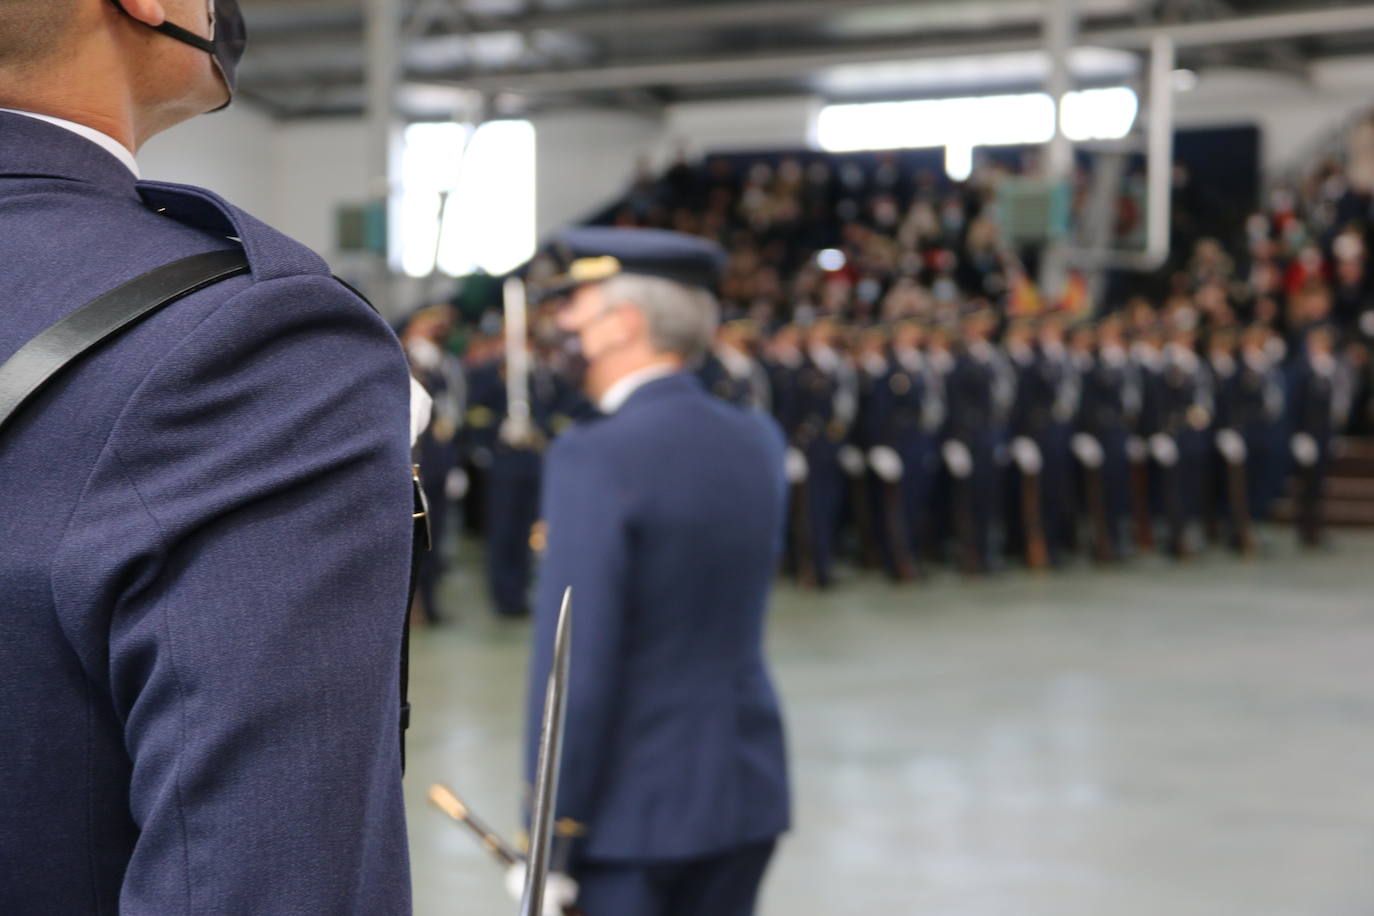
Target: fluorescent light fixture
point(958, 161)
point(1098, 114)
point(961, 124)
point(971, 74)
point(467, 197)
point(831, 259)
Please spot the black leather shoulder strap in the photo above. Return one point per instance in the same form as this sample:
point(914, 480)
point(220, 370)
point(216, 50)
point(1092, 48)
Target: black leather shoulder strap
point(39, 361)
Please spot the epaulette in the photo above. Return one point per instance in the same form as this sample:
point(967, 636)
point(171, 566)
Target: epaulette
point(271, 255)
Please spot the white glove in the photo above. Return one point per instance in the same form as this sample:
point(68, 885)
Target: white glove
point(421, 409)
point(851, 460)
point(1305, 451)
point(1367, 324)
point(1231, 446)
point(1164, 450)
point(958, 459)
point(456, 484)
point(794, 465)
point(559, 890)
point(515, 433)
point(1027, 455)
point(886, 463)
point(1088, 451)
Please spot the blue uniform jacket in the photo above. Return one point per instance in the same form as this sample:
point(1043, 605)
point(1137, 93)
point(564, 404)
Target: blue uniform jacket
point(666, 520)
point(204, 550)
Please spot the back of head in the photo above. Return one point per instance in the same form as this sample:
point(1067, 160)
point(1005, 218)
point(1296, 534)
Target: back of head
point(680, 319)
point(31, 31)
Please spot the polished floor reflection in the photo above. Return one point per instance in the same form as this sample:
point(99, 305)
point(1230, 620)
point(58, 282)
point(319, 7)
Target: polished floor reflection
point(1162, 740)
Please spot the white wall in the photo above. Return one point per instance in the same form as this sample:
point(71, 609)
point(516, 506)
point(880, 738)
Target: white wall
point(1295, 116)
point(319, 164)
point(293, 176)
point(230, 152)
point(585, 159)
point(783, 123)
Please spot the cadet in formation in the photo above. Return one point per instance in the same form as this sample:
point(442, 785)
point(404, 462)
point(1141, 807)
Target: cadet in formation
point(1115, 437)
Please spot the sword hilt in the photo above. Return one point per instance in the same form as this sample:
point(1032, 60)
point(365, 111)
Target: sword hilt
point(448, 802)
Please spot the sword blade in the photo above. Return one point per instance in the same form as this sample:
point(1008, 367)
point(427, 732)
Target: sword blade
point(517, 354)
point(546, 778)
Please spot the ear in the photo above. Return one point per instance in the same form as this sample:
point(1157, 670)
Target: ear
point(148, 12)
point(634, 324)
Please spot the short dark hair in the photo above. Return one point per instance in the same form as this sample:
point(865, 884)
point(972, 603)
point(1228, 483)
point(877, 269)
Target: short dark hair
point(31, 29)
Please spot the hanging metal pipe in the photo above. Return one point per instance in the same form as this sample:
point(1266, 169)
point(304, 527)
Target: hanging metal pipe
point(383, 131)
point(1159, 174)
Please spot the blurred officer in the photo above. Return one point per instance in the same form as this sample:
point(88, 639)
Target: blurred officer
point(1257, 408)
point(1024, 490)
point(1153, 455)
point(664, 516)
point(1111, 402)
point(810, 406)
point(731, 372)
point(785, 363)
point(981, 388)
point(903, 417)
point(513, 465)
point(207, 522)
point(828, 404)
point(437, 453)
point(1059, 379)
point(1186, 409)
point(1313, 420)
point(1227, 465)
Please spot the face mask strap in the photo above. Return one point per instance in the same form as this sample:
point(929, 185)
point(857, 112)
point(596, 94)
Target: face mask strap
point(189, 37)
point(177, 32)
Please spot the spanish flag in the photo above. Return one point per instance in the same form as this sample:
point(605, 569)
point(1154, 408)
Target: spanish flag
point(1075, 301)
point(1024, 301)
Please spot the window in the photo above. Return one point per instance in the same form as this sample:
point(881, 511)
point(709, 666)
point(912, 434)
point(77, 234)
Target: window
point(959, 125)
point(467, 198)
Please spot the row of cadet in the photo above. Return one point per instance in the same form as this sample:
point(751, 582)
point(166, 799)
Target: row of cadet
point(977, 443)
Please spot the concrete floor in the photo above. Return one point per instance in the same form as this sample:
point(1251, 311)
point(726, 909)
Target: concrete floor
point(1162, 740)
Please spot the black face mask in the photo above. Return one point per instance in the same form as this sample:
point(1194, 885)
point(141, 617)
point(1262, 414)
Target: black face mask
point(227, 46)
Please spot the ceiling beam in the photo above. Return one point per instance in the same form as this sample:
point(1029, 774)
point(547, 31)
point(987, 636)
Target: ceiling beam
point(774, 65)
point(291, 21)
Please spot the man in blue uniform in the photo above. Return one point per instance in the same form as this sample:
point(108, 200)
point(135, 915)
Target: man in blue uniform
point(731, 371)
point(1110, 403)
point(513, 466)
point(1258, 410)
point(1315, 413)
point(905, 411)
point(981, 390)
point(438, 452)
point(665, 517)
point(1186, 408)
point(204, 526)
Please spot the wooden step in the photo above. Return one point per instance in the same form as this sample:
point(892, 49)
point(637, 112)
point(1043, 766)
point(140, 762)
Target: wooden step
point(1340, 513)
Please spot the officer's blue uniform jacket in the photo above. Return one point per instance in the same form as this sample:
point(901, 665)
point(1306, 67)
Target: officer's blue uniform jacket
point(204, 547)
point(665, 518)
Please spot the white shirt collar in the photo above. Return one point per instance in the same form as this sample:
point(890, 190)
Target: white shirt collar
point(825, 358)
point(737, 364)
point(104, 141)
point(616, 396)
point(911, 360)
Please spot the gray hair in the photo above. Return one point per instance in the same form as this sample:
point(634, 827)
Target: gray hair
point(682, 319)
